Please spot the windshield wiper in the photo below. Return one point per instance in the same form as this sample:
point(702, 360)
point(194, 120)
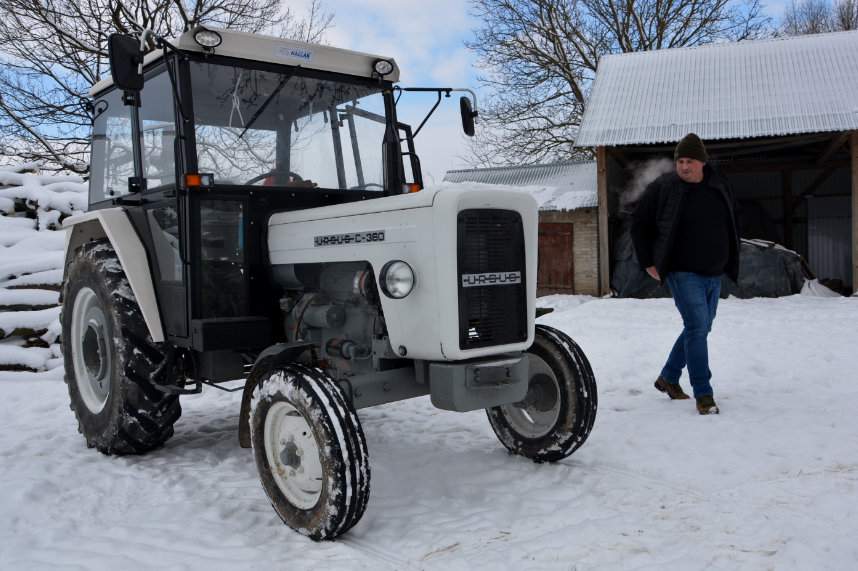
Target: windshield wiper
point(265, 104)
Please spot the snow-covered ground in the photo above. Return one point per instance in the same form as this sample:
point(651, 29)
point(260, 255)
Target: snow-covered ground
point(770, 483)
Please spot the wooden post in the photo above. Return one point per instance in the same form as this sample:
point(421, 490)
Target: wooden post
point(853, 152)
point(786, 189)
point(602, 187)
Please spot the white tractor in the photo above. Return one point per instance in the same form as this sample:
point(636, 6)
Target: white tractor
point(257, 212)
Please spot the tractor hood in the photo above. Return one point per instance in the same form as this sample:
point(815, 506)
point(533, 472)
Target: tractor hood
point(440, 234)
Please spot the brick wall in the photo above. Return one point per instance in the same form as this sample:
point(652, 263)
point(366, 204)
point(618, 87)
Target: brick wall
point(585, 246)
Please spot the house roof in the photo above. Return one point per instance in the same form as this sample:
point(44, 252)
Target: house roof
point(805, 84)
point(555, 186)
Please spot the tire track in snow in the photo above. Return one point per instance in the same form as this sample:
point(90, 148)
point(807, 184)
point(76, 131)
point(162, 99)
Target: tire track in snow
point(386, 555)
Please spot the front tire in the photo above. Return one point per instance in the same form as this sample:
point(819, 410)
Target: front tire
point(557, 414)
point(109, 356)
point(310, 451)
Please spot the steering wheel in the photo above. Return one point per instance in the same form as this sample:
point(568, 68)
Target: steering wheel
point(367, 186)
point(293, 176)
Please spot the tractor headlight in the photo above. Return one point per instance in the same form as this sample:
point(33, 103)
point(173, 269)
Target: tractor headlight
point(382, 67)
point(397, 279)
point(207, 38)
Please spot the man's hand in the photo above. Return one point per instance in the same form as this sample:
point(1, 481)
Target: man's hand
point(653, 273)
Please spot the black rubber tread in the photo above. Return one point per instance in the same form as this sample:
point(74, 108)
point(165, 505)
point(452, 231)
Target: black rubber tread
point(588, 379)
point(345, 492)
point(137, 417)
point(579, 401)
point(356, 444)
point(358, 447)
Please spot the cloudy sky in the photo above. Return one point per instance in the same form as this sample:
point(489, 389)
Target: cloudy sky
point(426, 38)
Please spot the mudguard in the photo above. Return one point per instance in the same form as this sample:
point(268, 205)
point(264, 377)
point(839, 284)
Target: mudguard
point(113, 223)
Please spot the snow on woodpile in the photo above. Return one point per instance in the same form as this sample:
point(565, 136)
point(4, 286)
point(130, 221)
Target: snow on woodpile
point(32, 207)
point(46, 198)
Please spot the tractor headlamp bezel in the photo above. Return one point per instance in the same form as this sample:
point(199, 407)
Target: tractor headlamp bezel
point(397, 279)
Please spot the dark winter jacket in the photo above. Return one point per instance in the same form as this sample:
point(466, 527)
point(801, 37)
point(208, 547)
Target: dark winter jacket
point(656, 215)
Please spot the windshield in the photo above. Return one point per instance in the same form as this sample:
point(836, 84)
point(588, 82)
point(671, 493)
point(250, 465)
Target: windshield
point(282, 129)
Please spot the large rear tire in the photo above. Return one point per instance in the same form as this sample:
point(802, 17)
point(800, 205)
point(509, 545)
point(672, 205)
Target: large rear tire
point(310, 451)
point(557, 414)
point(109, 357)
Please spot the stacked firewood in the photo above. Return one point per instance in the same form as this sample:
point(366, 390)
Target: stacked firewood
point(32, 208)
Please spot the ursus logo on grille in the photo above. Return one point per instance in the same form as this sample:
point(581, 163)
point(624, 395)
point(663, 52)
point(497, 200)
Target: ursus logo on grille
point(491, 279)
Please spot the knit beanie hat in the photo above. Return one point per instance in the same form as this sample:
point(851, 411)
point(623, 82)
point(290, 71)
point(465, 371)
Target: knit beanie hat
point(690, 147)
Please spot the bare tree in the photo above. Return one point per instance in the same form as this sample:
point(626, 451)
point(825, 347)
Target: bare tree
point(52, 51)
point(846, 15)
point(540, 57)
point(819, 16)
point(808, 17)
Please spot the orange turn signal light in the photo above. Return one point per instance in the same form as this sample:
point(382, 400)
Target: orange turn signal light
point(196, 180)
point(413, 187)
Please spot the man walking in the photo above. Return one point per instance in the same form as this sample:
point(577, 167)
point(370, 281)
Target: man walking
point(685, 233)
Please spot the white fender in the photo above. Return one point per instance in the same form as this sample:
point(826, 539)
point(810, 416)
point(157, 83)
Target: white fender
point(114, 224)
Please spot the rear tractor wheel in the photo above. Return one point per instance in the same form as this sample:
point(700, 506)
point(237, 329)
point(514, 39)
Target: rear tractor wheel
point(109, 357)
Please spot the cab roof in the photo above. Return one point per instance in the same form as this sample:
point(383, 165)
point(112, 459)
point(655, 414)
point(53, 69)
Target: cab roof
point(256, 47)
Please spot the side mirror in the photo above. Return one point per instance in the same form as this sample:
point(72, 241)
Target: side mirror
point(468, 115)
point(125, 59)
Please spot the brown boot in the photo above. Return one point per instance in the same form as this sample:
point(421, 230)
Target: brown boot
point(673, 390)
point(706, 405)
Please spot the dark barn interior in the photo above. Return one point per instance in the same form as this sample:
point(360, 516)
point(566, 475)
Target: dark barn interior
point(793, 190)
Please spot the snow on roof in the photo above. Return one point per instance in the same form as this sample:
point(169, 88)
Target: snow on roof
point(555, 186)
point(805, 84)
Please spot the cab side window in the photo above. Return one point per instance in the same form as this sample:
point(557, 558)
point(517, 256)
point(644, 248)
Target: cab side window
point(112, 158)
point(158, 131)
point(112, 161)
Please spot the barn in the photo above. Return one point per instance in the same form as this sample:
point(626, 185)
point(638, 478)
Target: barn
point(779, 118)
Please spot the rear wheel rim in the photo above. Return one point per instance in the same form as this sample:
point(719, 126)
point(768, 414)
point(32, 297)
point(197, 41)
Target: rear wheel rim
point(293, 455)
point(536, 415)
point(91, 350)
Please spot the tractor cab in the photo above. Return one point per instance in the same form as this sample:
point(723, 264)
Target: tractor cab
point(203, 140)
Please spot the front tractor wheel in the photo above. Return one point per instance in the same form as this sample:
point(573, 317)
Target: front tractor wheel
point(557, 414)
point(109, 357)
point(310, 451)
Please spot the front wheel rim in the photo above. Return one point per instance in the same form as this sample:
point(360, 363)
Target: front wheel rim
point(91, 350)
point(537, 414)
point(293, 455)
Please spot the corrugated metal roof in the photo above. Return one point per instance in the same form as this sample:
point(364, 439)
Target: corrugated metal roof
point(806, 84)
point(556, 186)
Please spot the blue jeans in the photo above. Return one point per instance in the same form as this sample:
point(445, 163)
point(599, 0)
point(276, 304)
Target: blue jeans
point(696, 298)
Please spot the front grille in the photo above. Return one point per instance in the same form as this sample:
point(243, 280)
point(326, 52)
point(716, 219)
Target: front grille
point(491, 273)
